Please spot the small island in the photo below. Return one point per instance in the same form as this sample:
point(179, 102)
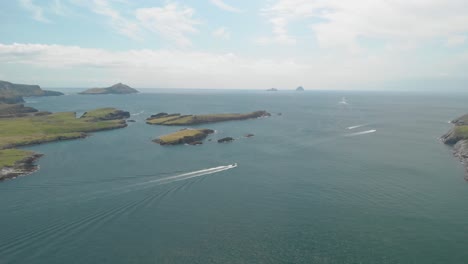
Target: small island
point(272, 90)
point(119, 88)
point(42, 127)
point(166, 119)
point(300, 89)
point(458, 138)
point(184, 136)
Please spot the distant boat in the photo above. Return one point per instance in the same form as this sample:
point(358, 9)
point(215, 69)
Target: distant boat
point(343, 101)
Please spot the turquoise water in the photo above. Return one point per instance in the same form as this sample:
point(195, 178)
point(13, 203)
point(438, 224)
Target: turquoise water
point(305, 190)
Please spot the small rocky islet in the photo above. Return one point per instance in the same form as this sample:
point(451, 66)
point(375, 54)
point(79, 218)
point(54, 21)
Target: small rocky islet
point(458, 138)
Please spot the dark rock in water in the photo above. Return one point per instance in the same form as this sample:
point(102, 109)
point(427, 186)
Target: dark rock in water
point(280, 114)
point(225, 140)
point(209, 139)
point(194, 143)
point(131, 121)
point(300, 89)
point(249, 135)
point(159, 115)
point(272, 90)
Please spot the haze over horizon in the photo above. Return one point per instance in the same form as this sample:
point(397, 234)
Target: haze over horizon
point(318, 44)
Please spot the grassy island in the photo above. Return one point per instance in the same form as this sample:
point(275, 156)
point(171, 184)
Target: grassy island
point(184, 136)
point(48, 127)
point(183, 120)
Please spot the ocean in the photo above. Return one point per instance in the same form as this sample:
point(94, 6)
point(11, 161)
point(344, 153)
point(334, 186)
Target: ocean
point(320, 182)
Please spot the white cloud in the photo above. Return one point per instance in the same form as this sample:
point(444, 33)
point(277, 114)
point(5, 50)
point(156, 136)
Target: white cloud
point(338, 23)
point(37, 12)
point(172, 22)
point(222, 33)
point(118, 22)
point(222, 5)
point(193, 69)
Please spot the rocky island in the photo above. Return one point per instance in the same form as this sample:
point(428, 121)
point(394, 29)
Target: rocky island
point(166, 119)
point(119, 88)
point(184, 136)
point(47, 127)
point(458, 138)
point(300, 89)
point(272, 90)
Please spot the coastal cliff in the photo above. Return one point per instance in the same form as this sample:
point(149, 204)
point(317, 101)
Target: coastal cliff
point(458, 138)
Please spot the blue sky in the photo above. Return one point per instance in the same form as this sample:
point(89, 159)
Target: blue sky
point(319, 44)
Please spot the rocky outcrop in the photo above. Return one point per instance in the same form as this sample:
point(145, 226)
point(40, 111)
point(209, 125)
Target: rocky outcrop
point(300, 89)
point(272, 90)
point(458, 138)
point(119, 88)
point(22, 167)
point(225, 140)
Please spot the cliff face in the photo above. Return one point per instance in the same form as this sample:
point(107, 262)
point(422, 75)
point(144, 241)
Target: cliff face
point(12, 90)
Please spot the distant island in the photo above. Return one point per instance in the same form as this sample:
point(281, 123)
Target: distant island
point(300, 89)
point(41, 127)
point(458, 138)
point(166, 119)
point(119, 88)
point(272, 90)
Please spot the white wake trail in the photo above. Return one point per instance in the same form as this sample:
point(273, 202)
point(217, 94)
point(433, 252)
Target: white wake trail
point(188, 175)
point(361, 133)
point(356, 126)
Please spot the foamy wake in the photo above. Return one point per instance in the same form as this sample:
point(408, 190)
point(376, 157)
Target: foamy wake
point(361, 133)
point(357, 126)
point(188, 175)
point(139, 113)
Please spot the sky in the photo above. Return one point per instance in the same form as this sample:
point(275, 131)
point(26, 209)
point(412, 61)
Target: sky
point(218, 44)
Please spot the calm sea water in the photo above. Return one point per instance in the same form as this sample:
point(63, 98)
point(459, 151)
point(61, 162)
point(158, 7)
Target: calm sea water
point(305, 190)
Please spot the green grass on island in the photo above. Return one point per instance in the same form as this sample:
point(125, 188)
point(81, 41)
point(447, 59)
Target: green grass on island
point(458, 132)
point(48, 127)
point(57, 126)
point(181, 120)
point(10, 157)
point(183, 136)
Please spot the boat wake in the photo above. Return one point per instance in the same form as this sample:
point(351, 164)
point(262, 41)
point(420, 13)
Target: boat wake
point(361, 133)
point(188, 175)
point(356, 126)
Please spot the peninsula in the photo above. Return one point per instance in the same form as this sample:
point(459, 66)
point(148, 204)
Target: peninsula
point(166, 119)
point(458, 138)
point(43, 127)
point(119, 88)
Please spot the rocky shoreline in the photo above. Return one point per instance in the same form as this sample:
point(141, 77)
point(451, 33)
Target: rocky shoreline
point(458, 138)
point(23, 167)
